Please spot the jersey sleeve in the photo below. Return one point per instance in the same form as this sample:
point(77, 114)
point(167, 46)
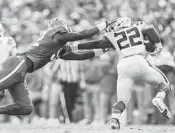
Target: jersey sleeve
point(75, 36)
point(111, 38)
point(151, 33)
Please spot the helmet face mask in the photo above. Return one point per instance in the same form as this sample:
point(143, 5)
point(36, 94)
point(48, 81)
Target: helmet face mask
point(120, 23)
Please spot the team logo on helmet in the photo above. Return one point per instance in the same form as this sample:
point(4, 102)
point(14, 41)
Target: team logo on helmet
point(120, 23)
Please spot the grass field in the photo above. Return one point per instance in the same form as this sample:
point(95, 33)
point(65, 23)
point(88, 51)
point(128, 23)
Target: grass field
point(73, 128)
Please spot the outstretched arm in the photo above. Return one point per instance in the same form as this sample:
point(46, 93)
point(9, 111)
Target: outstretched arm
point(98, 44)
point(74, 36)
point(68, 51)
point(81, 55)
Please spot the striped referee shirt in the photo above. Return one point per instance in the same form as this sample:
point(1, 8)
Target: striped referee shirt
point(68, 71)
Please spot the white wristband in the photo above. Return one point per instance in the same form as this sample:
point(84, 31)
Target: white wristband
point(101, 26)
point(74, 47)
point(159, 45)
point(98, 52)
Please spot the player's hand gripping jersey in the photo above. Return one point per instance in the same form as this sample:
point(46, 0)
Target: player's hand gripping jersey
point(126, 37)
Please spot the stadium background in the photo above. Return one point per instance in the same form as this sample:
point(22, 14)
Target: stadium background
point(25, 20)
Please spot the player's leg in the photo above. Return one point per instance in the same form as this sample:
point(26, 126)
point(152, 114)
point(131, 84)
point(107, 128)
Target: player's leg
point(152, 75)
point(124, 88)
point(22, 105)
point(12, 71)
point(53, 102)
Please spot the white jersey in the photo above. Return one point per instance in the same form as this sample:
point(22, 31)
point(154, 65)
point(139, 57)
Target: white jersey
point(128, 41)
point(6, 45)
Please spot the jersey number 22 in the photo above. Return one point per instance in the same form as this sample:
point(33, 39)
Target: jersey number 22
point(123, 40)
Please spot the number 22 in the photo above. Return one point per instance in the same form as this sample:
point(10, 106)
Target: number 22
point(131, 38)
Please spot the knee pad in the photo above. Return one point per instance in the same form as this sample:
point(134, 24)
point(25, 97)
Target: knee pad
point(164, 87)
point(26, 110)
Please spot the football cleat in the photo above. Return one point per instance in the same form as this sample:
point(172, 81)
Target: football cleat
point(158, 102)
point(114, 124)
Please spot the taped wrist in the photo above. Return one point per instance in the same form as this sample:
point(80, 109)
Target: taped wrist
point(74, 47)
point(102, 26)
point(98, 52)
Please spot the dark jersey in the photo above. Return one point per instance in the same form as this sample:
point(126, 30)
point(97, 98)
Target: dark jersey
point(44, 49)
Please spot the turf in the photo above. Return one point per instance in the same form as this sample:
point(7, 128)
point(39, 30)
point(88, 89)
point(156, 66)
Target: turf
point(73, 128)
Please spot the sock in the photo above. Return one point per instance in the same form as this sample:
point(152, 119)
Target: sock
point(116, 115)
point(117, 110)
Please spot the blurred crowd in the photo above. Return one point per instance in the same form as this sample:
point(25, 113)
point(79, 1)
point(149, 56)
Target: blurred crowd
point(84, 92)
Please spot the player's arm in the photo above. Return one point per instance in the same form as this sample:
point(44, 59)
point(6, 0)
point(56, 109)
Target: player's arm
point(74, 36)
point(97, 44)
point(83, 55)
point(150, 32)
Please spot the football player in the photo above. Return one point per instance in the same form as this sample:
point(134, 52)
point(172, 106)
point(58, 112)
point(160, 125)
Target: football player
point(14, 69)
point(132, 41)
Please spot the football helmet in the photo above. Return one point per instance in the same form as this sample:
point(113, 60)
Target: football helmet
point(120, 23)
point(2, 30)
point(58, 23)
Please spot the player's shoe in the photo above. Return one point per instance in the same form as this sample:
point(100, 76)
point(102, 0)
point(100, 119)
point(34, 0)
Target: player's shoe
point(158, 102)
point(114, 124)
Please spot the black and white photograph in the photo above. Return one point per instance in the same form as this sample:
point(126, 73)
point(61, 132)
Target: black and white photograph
point(87, 66)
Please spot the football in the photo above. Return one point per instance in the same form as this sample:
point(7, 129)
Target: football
point(149, 44)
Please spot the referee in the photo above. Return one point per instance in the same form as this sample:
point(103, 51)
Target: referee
point(70, 75)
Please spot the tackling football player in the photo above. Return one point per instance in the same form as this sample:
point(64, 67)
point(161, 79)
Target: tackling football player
point(128, 39)
point(14, 69)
